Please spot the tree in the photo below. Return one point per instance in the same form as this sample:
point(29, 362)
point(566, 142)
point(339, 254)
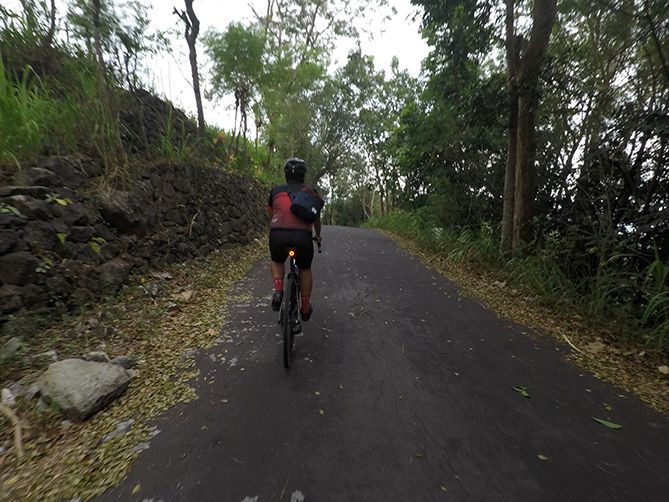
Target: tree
point(191, 31)
point(237, 68)
point(524, 64)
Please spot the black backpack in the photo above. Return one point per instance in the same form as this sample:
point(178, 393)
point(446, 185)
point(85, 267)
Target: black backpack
point(306, 205)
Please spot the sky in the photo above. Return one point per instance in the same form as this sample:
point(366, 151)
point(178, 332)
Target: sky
point(169, 73)
point(398, 36)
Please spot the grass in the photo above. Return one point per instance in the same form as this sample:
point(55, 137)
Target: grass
point(636, 303)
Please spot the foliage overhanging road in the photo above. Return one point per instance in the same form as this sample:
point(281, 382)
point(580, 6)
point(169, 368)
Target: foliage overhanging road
point(401, 390)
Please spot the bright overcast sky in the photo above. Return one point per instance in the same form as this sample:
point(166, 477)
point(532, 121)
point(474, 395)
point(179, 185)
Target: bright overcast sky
point(170, 74)
point(398, 36)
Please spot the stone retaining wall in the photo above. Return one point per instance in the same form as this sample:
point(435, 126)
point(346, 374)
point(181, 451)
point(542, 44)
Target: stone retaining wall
point(64, 240)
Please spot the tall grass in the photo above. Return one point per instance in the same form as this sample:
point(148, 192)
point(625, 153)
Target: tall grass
point(637, 302)
point(25, 112)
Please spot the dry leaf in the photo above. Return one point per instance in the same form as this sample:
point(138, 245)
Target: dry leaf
point(663, 369)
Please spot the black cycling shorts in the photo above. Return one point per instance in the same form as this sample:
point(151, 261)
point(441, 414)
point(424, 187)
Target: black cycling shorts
point(280, 241)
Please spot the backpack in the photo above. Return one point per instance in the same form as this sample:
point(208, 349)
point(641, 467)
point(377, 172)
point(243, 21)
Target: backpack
point(306, 205)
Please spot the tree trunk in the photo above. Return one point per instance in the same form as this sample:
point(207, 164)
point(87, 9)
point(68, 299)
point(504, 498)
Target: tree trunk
point(514, 44)
point(47, 43)
point(527, 78)
point(525, 172)
point(192, 29)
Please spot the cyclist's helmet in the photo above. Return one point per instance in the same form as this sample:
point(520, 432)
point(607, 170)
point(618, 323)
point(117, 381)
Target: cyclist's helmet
point(295, 168)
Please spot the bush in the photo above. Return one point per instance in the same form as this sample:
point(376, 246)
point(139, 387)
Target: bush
point(637, 301)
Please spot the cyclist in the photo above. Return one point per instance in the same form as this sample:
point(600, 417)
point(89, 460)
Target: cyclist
point(290, 231)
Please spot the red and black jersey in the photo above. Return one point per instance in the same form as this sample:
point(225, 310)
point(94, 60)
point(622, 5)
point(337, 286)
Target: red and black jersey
point(280, 202)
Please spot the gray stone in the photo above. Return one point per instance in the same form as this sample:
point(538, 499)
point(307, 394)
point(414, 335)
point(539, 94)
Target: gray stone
point(33, 392)
point(8, 397)
point(30, 207)
point(97, 356)
point(81, 233)
point(42, 176)
point(121, 210)
point(10, 299)
point(126, 362)
point(8, 239)
point(12, 347)
point(114, 274)
point(18, 268)
point(39, 192)
point(81, 388)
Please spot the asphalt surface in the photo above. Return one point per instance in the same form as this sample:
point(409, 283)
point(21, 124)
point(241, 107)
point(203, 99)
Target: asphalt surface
point(401, 390)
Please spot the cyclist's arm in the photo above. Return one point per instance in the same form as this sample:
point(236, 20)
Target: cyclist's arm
point(317, 228)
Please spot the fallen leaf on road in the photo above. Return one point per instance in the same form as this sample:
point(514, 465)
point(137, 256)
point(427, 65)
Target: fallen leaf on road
point(136, 489)
point(419, 455)
point(317, 393)
point(606, 423)
point(663, 369)
point(322, 412)
point(522, 391)
point(542, 457)
point(211, 331)
point(443, 488)
point(161, 275)
point(608, 407)
point(184, 296)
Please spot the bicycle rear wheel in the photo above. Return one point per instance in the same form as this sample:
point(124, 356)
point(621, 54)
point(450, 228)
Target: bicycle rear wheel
point(287, 324)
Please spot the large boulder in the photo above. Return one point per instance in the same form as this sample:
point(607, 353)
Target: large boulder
point(82, 388)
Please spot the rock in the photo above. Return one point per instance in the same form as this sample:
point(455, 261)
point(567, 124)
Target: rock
point(33, 392)
point(74, 214)
point(114, 274)
point(121, 210)
point(30, 207)
point(126, 362)
point(18, 268)
point(64, 171)
point(42, 405)
point(80, 297)
point(79, 233)
point(40, 236)
point(10, 300)
point(133, 373)
point(45, 358)
point(8, 240)
point(81, 388)
point(17, 389)
point(38, 192)
point(11, 348)
point(663, 369)
point(8, 399)
point(97, 356)
point(42, 176)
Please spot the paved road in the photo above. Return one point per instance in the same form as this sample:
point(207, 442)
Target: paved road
point(415, 384)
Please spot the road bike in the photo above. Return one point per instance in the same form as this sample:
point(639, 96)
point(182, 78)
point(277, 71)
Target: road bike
point(289, 314)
